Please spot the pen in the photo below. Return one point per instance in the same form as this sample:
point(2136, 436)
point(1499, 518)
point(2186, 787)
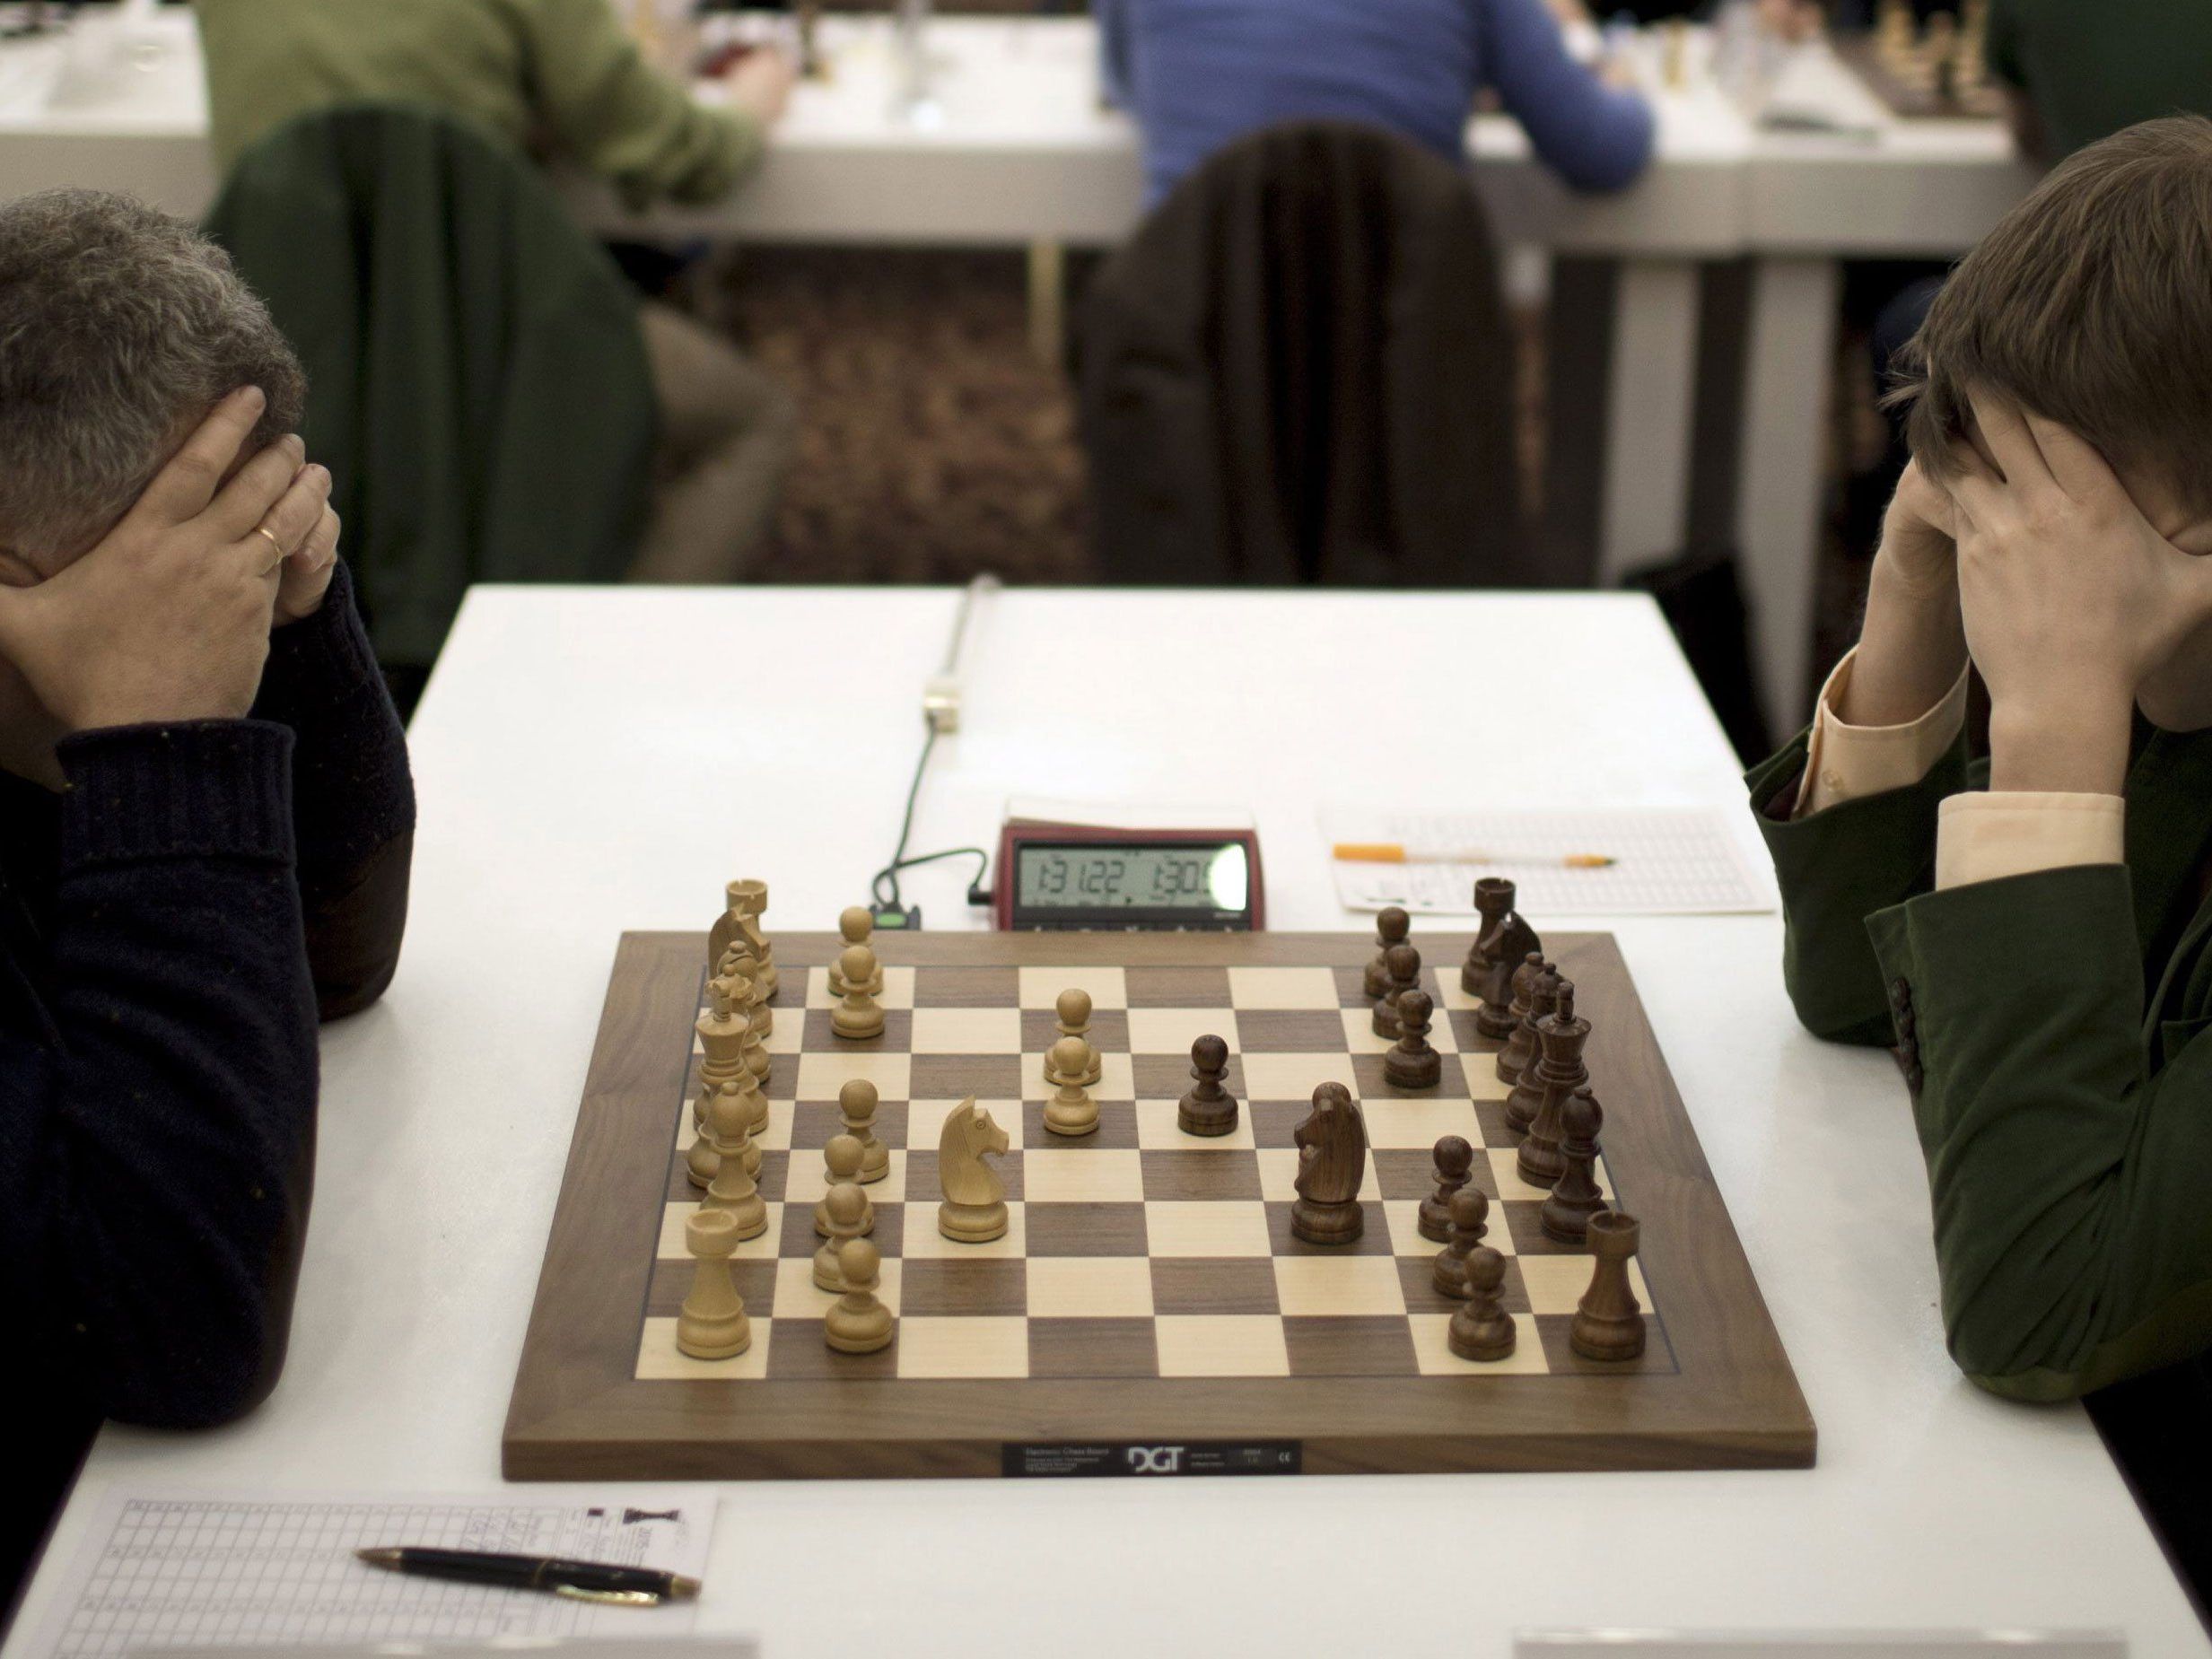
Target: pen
point(582, 1581)
point(1391, 853)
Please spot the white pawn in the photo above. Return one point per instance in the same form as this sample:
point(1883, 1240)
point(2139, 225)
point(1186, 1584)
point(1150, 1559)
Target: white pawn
point(851, 1216)
point(732, 1189)
point(856, 1102)
point(841, 1160)
point(1073, 1009)
point(858, 1017)
point(711, 1324)
point(859, 1322)
point(1071, 1110)
point(856, 926)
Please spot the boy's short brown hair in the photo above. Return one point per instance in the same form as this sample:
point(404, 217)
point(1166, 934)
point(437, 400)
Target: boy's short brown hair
point(2091, 304)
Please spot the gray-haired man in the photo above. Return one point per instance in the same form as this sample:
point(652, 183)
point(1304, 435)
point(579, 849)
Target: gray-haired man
point(205, 824)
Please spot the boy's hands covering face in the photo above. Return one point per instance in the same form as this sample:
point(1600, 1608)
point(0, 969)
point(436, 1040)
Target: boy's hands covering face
point(168, 617)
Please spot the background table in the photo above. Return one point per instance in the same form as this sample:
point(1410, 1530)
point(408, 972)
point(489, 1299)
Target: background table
point(585, 768)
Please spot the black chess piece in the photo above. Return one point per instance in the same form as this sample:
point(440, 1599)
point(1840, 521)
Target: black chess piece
point(1482, 1329)
point(1470, 1222)
point(1404, 961)
point(1559, 1072)
point(1575, 1199)
point(1413, 1062)
point(1391, 926)
point(1507, 946)
point(1493, 902)
point(1332, 1148)
point(1609, 1322)
point(1527, 1094)
point(1454, 1168)
point(1208, 1109)
point(1533, 993)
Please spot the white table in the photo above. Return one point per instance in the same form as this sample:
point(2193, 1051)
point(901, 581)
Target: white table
point(1021, 153)
point(583, 770)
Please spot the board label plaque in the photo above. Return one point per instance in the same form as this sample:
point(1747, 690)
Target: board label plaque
point(1124, 1458)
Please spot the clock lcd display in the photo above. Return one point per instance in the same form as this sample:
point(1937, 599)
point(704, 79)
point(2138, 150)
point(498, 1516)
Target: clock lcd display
point(1132, 877)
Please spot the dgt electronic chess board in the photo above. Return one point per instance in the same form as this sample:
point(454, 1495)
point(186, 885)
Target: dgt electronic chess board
point(1149, 1310)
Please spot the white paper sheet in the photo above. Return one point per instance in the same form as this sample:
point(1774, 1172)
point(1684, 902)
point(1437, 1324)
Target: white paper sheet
point(168, 1568)
point(1685, 860)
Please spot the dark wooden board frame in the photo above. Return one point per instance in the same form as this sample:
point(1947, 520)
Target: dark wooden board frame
point(579, 1412)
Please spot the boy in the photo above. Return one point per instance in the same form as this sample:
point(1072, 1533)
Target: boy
point(206, 823)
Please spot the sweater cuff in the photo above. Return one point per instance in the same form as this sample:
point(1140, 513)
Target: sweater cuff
point(196, 788)
point(321, 658)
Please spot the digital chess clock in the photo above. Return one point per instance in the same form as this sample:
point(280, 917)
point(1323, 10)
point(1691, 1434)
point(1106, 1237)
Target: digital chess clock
point(1060, 875)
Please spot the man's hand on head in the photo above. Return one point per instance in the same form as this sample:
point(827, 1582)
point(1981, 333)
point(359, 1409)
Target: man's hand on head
point(2070, 597)
point(308, 569)
point(168, 618)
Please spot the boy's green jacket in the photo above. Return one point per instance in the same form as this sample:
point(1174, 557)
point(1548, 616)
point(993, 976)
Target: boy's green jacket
point(2051, 1028)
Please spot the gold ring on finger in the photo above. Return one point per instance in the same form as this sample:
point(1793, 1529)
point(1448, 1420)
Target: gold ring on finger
point(264, 530)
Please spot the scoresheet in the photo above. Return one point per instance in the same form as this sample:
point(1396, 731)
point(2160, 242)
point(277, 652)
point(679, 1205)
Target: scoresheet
point(1679, 861)
point(190, 1569)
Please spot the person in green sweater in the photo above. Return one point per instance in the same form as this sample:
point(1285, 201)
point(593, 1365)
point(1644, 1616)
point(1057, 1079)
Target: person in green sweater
point(562, 81)
point(2032, 933)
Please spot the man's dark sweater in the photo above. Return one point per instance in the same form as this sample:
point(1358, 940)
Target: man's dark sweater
point(171, 927)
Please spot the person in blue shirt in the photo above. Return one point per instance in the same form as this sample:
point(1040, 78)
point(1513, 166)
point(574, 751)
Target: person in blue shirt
point(1198, 74)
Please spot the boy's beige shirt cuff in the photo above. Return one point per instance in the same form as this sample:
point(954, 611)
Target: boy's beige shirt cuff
point(1849, 763)
point(1979, 836)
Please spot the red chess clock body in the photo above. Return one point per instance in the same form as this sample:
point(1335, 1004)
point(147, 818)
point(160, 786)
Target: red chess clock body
point(1073, 876)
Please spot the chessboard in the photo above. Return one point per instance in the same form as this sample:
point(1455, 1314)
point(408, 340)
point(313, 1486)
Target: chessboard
point(1933, 70)
point(1149, 1309)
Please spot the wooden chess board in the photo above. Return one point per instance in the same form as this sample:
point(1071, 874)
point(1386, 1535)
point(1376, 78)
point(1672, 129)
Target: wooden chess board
point(1909, 98)
point(1149, 1308)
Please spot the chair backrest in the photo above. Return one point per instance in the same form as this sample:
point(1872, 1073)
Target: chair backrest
point(477, 380)
point(1299, 370)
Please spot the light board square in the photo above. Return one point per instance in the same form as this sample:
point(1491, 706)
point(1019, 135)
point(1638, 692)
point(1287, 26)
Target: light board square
point(1172, 1031)
point(1339, 1284)
point(659, 1360)
point(1079, 1174)
point(967, 1030)
point(1410, 1124)
point(1403, 1217)
point(1555, 1284)
point(1222, 1345)
point(1118, 1078)
point(1157, 1131)
point(798, 1299)
point(1360, 1037)
point(1225, 1229)
point(1279, 1175)
point(1282, 988)
point(1090, 1288)
point(1505, 1166)
point(822, 1075)
point(923, 1243)
point(898, 991)
point(1295, 1076)
point(957, 1348)
point(787, 1033)
point(672, 1247)
point(1448, 995)
point(807, 1180)
point(1481, 1072)
point(1040, 987)
point(1432, 1350)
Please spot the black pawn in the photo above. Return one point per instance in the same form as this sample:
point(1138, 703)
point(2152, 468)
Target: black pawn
point(1413, 1064)
point(1391, 926)
point(1208, 1109)
point(1469, 1221)
point(1566, 1213)
point(1483, 1330)
point(1404, 965)
point(1454, 1161)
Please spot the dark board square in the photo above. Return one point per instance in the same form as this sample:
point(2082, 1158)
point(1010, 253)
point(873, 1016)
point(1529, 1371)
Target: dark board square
point(1525, 1218)
point(797, 1353)
point(1108, 1033)
point(1085, 1229)
point(1491, 1115)
point(1470, 1040)
point(1417, 1274)
point(1374, 1241)
point(966, 988)
point(671, 1283)
point(1100, 1348)
point(814, 1123)
point(1167, 1077)
point(1177, 988)
point(1553, 1330)
point(923, 1184)
point(1243, 1286)
point(798, 1241)
point(775, 1168)
point(1274, 1123)
point(956, 1077)
point(1117, 1127)
point(982, 1286)
point(1201, 1177)
point(1381, 1346)
point(1289, 1031)
point(1351, 988)
point(897, 1038)
point(1402, 1173)
point(783, 1082)
point(1371, 1082)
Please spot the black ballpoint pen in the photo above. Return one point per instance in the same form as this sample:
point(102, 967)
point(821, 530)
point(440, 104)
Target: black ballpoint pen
point(582, 1581)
